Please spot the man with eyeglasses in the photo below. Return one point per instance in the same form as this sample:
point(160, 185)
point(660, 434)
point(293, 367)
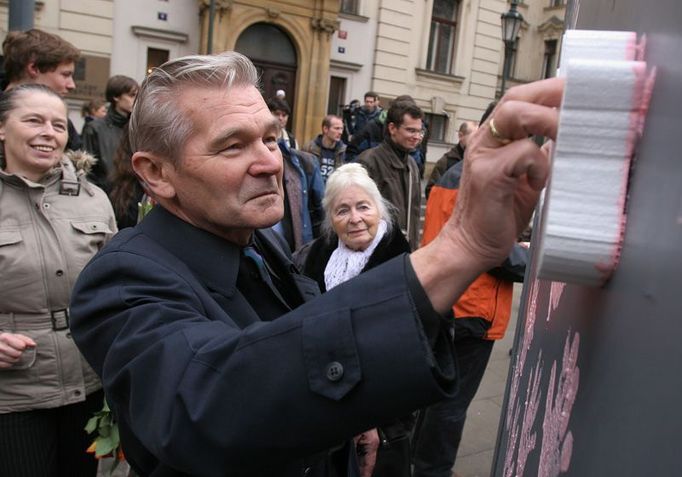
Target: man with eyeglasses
point(394, 170)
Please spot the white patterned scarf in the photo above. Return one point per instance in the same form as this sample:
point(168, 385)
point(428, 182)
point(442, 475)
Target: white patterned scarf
point(345, 263)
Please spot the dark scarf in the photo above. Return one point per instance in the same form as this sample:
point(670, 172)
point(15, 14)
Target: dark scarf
point(392, 245)
point(115, 118)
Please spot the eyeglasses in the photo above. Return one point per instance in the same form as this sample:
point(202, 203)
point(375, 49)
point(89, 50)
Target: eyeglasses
point(413, 131)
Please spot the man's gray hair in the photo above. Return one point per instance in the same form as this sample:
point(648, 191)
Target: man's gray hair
point(350, 175)
point(158, 124)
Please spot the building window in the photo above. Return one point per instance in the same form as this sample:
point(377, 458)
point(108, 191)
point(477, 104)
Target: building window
point(556, 3)
point(349, 6)
point(437, 125)
point(549, 63)
point(442, 36)
point(156, 57)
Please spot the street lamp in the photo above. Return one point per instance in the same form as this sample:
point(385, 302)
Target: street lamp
point(511, 24)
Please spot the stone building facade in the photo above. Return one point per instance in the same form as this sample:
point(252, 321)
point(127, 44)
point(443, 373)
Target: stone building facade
point(447, 54)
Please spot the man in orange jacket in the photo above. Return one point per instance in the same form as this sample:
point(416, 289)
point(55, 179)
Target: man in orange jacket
point(481, 316)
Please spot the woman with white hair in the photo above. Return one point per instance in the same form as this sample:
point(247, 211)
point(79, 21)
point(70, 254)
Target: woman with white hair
point(359, 235)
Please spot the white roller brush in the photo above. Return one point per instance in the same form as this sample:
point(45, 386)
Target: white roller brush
point(601, 118)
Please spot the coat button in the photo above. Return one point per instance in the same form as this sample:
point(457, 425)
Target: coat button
point(334, 371)
point(59, 273)
point(307, 470)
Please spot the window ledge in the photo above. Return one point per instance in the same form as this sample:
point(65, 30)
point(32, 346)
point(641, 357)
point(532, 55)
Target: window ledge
point(354, 17)
point(345, 65)
point(554, 8)
point(440, 76)
point(439, 143)
point(158, 34)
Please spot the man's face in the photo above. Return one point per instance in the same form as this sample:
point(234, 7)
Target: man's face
point(60, 80)
point(371, 103)
point(333, 133)
point(409, 134)
point(464, 137)
point(229, 178)
point(282, 117)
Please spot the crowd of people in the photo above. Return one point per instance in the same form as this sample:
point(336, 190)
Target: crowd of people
point(269, 306)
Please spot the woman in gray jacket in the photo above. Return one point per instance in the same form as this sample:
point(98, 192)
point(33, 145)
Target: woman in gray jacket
point(52, 221)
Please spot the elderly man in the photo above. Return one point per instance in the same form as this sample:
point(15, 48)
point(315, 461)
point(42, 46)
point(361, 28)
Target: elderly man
point(216, 356)
point(328, 146)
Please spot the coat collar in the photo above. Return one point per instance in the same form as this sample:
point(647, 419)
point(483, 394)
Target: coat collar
point(213, 260)
point(396, 160)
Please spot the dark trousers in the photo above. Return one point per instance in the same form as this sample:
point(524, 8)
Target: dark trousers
point(49, 442)
point(441, 425)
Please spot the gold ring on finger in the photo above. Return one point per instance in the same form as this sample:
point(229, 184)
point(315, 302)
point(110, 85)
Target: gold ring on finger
point(496, 134)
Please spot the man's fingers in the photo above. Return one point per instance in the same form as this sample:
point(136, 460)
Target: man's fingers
point(526, 158)
point(547, 92)
point(518, 120)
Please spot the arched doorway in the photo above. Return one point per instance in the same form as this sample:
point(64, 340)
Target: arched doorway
point(274, 55)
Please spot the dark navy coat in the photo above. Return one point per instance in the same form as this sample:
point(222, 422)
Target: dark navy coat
point(202, 386)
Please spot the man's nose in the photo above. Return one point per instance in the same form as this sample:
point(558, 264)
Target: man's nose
point(266, 161)
point(70, 84)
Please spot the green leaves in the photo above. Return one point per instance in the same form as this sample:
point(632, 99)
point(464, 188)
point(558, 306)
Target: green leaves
point(107, 440)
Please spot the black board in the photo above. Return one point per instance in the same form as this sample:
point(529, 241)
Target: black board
point(595, 384)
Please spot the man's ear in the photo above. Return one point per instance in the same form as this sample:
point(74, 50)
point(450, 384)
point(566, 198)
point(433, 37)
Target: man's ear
point(392, 128)
point(32, 71)
point(2, 132)
point(155, 172)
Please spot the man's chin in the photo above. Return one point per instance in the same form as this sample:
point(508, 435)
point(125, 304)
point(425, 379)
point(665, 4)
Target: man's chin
point(268, 215)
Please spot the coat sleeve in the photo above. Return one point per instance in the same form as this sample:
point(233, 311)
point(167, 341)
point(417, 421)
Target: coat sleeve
point(316, 194)
point(203, 395)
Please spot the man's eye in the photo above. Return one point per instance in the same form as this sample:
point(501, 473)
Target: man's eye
point(233, 147)
point(59, 127)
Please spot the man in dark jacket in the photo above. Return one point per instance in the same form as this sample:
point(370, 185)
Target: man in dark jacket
point(281, 110)
point(303, 193)
point(370, 111)
point(453, 156)
point(328, 146)
point(215, 354)
point(481, 316)
point(102, 136)
point(394, 170)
